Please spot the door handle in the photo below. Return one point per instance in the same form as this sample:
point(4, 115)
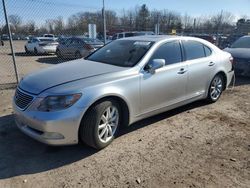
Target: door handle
point(182, 71)
point(211, 64)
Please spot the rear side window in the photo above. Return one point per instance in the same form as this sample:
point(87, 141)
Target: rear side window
point(208, 51)
point(193, 50)
point(170, 51)
point(120, 36)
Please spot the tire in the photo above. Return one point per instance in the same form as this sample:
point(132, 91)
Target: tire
point(94, 126)
point(35, 51)
point(58, 54)
point(26, 50)
point(215, 88)
point(78, 55)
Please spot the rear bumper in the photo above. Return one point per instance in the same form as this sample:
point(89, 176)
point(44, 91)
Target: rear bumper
point(230, 76)
point(46, 49)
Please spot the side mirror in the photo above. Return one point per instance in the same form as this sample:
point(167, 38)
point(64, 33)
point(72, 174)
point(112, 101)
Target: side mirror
point(154, 64)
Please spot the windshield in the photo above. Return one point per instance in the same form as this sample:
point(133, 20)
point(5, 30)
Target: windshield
point(243, 42)
point(123, 53)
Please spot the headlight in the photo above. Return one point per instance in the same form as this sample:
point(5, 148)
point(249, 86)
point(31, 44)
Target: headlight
point(60, 102)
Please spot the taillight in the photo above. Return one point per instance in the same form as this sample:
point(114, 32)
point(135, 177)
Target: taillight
point(231, 59)
point(88, 47)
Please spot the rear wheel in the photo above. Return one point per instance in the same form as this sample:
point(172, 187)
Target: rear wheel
point(78, 55)
point(100, 124)
point(215, 88)
point(26, 50)
point(58, 53)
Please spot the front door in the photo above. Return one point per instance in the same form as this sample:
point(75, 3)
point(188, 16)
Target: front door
point(167, 86)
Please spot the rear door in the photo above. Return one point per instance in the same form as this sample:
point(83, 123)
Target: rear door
point(200, 67)
point(167, 86)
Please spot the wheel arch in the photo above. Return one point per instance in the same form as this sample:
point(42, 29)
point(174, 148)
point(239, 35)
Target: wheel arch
point(224, 79)
point(123, 104)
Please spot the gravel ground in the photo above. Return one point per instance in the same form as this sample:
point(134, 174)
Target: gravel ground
point(198, 145)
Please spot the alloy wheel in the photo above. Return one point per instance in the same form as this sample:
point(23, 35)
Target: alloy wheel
point(216, 88)
point(108, 124)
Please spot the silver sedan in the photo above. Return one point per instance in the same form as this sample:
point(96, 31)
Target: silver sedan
point(125, 81)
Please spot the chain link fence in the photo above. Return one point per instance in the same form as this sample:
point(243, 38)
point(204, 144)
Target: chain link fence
point(60, 23)
point(8, 75)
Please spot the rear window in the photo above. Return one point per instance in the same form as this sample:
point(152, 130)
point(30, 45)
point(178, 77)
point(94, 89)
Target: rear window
point(46, 40)
point(193, 50)
point(208, 51)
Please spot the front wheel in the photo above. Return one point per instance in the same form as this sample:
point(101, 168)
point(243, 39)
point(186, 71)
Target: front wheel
point(100, 124)
point(35, 51)
point(215, 88)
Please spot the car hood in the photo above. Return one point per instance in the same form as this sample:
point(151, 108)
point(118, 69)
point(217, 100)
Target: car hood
point(239, 52)
point(40, 81)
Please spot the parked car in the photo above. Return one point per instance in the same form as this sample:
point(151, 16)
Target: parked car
point(209, 38)
point(240, 51)
point(125, 81)
point(5, 37)
point(77, 47)
point(131, 34)
point(41, 45)
point(49, 35)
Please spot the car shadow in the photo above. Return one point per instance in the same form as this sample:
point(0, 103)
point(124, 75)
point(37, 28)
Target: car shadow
point(22, 155)
point(24, 54)
point(52, 60)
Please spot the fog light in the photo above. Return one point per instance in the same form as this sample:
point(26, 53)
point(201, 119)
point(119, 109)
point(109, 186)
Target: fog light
point(53, 136)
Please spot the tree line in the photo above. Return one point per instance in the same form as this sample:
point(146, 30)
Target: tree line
point(141, 18)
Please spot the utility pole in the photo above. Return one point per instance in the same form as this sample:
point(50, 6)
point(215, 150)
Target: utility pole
point(104, 21)
point(10, 39)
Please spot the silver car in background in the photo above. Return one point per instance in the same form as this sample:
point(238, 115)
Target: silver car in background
point(41, 45)
point(123, 82)
point(77, 47)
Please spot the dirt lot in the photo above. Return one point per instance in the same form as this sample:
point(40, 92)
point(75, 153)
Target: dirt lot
point(198, 145)
point(25, 63)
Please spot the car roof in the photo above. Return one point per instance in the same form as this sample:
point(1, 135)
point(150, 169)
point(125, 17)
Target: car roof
point(157, 38)
point(151, 38)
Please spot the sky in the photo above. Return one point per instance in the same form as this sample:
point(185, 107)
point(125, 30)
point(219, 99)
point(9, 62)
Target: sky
point(40, 10)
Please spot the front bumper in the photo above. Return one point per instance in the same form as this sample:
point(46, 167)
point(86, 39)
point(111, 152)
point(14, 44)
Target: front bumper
point(52, 128)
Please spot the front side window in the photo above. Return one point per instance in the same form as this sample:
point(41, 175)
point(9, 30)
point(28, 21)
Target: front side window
point(193, 50)
point(124, 53)
point(170, 52)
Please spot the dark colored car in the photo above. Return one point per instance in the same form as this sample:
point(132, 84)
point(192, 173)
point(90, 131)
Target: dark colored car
point(240, 51)
point(77, 47)
point(5, 37)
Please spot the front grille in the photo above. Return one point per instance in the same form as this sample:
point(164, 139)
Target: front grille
point(22, 99)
